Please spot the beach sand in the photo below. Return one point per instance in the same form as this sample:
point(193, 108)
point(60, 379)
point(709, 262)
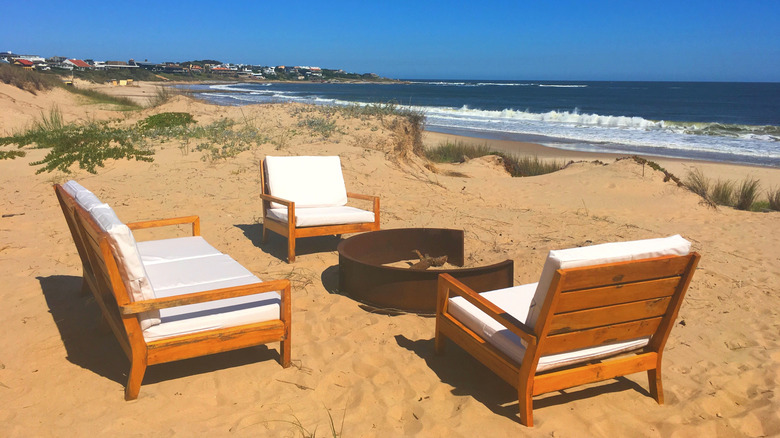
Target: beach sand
point(62, 373)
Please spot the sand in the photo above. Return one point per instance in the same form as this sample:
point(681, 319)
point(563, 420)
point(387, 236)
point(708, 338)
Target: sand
point(62, 373)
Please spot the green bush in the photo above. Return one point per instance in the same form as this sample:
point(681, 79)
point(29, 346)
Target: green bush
point(165, 120)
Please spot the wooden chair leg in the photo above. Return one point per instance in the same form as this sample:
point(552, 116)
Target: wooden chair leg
point(438, 343)
point(284, 352)
point(265, 234)
point(137, 371)
point(656, 387)
point(290, 249)
point(526, 405)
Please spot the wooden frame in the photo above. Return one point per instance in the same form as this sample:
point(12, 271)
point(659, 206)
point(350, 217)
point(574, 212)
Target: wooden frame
point(103, 277)
point(584, 307)
point(291, 232)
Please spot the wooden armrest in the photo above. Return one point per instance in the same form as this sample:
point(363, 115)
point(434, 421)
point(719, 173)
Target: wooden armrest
point(363, 197)
point(271, 198)
point(505, 319)
point(194, 220)
point(211, 295)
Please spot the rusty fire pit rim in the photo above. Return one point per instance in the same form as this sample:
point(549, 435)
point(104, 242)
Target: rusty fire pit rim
point(351, 241)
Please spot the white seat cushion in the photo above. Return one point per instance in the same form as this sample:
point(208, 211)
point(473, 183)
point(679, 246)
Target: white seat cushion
point(198, 272)
point(516, 301)
point(307, 181)
point(203, 274)
point(311, 217)
point(601, 254)
point(180, 248)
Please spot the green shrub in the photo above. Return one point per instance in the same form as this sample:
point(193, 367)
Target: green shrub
point(319, 125)
point(165, 120)
point(88, 145)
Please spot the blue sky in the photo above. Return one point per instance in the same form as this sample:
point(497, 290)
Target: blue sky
point(692, 40)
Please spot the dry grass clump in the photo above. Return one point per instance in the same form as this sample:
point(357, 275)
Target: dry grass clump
point(747, 194)
point(742, 196)
point(723, 193)
point(774, 198)
point(516, 166)
point(28, 80)
point(696, 182)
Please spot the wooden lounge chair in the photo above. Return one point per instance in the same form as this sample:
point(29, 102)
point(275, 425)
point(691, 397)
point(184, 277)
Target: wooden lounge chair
point(597, 313)
point(170, 299)
point(306, 196)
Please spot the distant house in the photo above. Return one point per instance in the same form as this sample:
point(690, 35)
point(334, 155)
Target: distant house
point(222, 71)
point(119, 64)
point(76, 63)
point(24, 63)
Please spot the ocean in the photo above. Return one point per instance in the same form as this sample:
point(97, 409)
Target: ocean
point(728, 122)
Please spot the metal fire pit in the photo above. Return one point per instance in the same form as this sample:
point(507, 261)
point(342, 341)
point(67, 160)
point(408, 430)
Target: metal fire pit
point(364, 277)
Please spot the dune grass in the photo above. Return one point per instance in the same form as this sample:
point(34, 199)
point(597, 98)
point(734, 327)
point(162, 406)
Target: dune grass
point(747, 193)
point(773, 196)
point(696, 182)
point(723, 193)
point(458, 152)
point(742, 196)
point(34, 81)
point(28, 80)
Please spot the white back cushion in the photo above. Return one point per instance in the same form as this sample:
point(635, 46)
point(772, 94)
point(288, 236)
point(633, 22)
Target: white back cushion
point(125, 250)
point(307, 181)
point(72, 187)
point(600, 254)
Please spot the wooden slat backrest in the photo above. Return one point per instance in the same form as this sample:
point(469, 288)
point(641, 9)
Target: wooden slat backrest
point(100, 267)
point(610, 303)
point(68, 206)
point(264, 182)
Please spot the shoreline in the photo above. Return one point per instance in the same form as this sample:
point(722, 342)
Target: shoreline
point(769, 176)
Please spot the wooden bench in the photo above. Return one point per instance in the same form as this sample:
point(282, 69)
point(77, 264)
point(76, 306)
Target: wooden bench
point(170, 299)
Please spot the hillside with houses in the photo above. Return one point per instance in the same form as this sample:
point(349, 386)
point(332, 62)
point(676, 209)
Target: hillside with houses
point(198, 70)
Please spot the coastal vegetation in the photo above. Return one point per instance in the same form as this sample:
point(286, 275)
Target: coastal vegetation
point(742, 196)
point(33, 82)
point(459, 152)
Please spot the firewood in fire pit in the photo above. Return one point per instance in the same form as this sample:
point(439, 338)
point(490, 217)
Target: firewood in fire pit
point(426, 261)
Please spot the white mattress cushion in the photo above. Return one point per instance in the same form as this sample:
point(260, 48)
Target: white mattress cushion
point(601, 254)
point(125, 250)
point(180, 248)
point(311, 217)
point(198, 272)
point(307, 181)
point(515, 301)
point(195, 275)
point(181, 320)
